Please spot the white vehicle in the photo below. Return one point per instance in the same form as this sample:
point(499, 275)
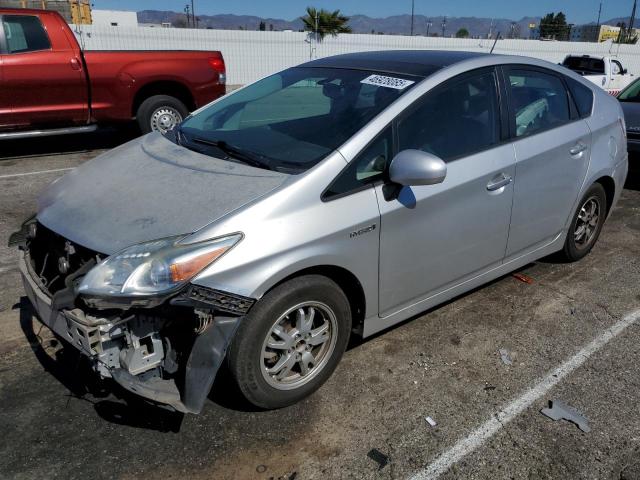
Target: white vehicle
point(606, 72)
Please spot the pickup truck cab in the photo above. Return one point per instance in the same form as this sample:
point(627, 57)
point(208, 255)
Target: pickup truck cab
point(48, 85)
point(606, 72)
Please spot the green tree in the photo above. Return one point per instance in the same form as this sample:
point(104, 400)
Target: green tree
point(263, 26)
point(324, 22)
point(462, 33)
point(555, 26)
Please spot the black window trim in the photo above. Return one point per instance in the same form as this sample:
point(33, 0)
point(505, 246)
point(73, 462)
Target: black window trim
point(573, 112)
point(502, 109)
point(367, 183)
point(4, 46)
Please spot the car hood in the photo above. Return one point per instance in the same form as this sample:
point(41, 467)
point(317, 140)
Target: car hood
point(147, 189)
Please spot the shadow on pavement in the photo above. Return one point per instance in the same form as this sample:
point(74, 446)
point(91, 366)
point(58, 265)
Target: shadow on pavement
point(103, 138)
point(74, 372)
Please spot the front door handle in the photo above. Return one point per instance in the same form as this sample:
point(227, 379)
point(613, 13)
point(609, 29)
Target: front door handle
point(577, 149)
point(498, 182)
point(75, 64)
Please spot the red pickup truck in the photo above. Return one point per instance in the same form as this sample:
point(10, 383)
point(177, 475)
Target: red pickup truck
point(48, 85)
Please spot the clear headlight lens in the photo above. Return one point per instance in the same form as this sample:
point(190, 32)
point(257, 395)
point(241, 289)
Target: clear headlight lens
point(153, 268)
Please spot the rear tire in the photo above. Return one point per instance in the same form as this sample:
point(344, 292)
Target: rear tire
point(160, 113)
point(586, 225)
point(291, 341)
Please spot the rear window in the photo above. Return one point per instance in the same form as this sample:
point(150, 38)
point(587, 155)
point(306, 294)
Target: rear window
point(24, 33)
point(583, 97)
point(585, 65)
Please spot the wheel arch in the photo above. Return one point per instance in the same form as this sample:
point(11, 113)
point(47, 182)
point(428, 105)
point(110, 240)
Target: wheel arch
point(163, 87)
point(609, 185)
point(347, 282)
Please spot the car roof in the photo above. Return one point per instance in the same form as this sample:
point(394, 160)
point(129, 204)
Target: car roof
point(421, 63)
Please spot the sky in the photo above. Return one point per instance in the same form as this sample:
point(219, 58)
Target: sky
point(577, 11)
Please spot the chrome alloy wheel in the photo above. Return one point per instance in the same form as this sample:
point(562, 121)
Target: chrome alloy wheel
point(164, 119)
point(299, 345)
point(587, 223)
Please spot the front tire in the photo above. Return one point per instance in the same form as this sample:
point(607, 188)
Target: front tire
point(291, 341)
point(160, 113)
point(587, 224)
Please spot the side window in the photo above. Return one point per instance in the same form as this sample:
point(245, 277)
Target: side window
point(24, 33)
point(459, 118)
point(583, 96)
point(368, 166)
point(539, 101)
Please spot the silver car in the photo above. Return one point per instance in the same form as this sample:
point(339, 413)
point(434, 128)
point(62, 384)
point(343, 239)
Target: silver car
point(335, 198)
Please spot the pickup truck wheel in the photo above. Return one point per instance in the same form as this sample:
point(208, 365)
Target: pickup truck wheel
point(160, 113)
point(290, 342)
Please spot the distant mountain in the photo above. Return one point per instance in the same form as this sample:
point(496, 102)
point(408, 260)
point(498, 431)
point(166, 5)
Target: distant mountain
point(223, 22)
point(395, 25)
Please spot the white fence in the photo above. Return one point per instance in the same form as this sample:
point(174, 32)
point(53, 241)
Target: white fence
point(250, 55)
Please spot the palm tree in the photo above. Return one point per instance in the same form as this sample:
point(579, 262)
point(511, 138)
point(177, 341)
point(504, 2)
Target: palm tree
point(323, 22)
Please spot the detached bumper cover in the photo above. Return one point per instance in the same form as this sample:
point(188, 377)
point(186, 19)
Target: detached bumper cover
point(206, 355)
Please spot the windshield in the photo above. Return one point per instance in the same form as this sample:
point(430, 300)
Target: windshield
point(631, 93)
point(291, 120)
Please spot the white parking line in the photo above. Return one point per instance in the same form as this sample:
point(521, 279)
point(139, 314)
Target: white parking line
point(35, 173)
point(477, 438)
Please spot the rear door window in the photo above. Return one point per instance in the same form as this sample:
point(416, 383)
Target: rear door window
point(24, 33)
point(539, 101)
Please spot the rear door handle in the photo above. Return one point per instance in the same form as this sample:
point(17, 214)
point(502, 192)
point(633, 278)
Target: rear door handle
point(577, 149)
point(498, 182)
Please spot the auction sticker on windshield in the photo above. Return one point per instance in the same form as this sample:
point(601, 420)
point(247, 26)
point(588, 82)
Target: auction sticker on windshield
point(389, 82)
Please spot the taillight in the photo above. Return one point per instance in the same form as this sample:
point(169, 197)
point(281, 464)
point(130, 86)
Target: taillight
point(218, 65)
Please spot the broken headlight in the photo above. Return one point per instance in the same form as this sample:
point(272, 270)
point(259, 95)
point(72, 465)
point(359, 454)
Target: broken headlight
point(153, 268)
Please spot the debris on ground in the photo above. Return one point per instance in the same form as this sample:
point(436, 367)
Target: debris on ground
point(488, 387)
point(505, 356)
point(523, 278)
point(380, 458)
point(431, 421)
point(559, 410)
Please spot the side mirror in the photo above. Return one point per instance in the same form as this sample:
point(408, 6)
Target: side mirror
point(415, 167)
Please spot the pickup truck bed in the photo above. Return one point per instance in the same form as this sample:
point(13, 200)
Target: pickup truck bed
point(47, 82)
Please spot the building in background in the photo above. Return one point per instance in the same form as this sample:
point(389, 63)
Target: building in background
point(73, 11)
point(595, 33)
point(156, 25)
point(115, 18)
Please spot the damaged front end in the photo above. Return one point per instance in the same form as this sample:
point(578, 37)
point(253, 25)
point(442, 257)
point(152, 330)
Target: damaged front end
point(166, 348)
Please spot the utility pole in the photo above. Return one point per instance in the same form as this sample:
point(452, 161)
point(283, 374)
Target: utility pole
point(429, 23)
point(186, 11)
point(599, 13)
point(444, 25)
point(632, 19)
point(413, 4)
point(193, 15)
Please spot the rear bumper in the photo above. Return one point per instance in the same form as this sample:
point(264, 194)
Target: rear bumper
point(633, 145)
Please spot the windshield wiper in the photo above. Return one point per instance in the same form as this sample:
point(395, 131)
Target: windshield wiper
point(236, 153)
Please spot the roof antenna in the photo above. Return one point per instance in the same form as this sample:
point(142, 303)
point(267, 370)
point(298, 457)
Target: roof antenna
point(494, 43)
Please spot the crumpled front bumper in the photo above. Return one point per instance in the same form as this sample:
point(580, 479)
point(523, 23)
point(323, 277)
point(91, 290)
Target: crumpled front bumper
point(95, 338)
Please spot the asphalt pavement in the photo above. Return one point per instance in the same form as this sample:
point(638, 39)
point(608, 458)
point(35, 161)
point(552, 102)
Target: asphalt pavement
point(569, 332)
